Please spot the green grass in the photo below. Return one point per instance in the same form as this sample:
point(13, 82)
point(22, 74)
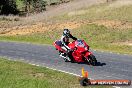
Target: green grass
point(14, 74)
point(20, 4)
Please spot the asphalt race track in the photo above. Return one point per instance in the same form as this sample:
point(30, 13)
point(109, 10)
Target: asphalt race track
point(110, 65)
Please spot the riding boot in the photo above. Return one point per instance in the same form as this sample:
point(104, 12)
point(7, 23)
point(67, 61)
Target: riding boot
point(69, 54)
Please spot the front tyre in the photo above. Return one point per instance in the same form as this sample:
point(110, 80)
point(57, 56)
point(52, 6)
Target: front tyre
point(92, 60)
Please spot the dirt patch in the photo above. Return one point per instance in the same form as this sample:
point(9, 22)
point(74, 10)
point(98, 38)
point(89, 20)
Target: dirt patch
point(109, 23)
point(42, 27)
point(38, 28)
point(69, 25)
point(23, 30)
point(37, 75)
point(114, 24)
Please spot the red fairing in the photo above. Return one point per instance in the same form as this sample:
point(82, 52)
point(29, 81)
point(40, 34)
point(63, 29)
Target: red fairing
point(71, 45)
point(57, 46)
point(82, 50)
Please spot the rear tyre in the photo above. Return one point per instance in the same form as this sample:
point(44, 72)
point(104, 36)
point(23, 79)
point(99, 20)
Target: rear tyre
point(91, 60)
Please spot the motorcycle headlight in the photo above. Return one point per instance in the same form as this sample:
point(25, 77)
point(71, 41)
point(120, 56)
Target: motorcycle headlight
point(86, 48)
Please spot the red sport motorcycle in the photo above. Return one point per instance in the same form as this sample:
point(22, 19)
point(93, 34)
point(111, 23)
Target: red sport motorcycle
point(80, 52)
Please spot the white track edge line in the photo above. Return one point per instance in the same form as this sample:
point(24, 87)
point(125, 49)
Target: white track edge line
point(58, 70)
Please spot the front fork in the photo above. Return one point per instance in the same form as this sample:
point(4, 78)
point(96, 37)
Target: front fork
point(86, 56)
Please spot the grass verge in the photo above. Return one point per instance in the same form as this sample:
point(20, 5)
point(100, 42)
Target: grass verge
point(15, 74)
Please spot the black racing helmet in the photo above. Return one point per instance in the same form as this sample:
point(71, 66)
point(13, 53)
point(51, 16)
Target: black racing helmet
point(66, 32)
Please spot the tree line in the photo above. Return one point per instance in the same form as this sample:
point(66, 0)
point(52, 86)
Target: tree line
point(29, 6)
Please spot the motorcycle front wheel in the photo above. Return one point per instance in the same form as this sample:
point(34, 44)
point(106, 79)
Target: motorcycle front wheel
point(91, 60)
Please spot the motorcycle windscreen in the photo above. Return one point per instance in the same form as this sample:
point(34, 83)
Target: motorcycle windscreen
point(79, 43)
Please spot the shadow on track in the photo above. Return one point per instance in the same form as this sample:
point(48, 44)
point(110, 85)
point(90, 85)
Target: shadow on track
point(98, 63)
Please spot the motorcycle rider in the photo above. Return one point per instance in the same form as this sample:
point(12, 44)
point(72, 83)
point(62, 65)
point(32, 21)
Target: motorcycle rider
point(65, 41)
